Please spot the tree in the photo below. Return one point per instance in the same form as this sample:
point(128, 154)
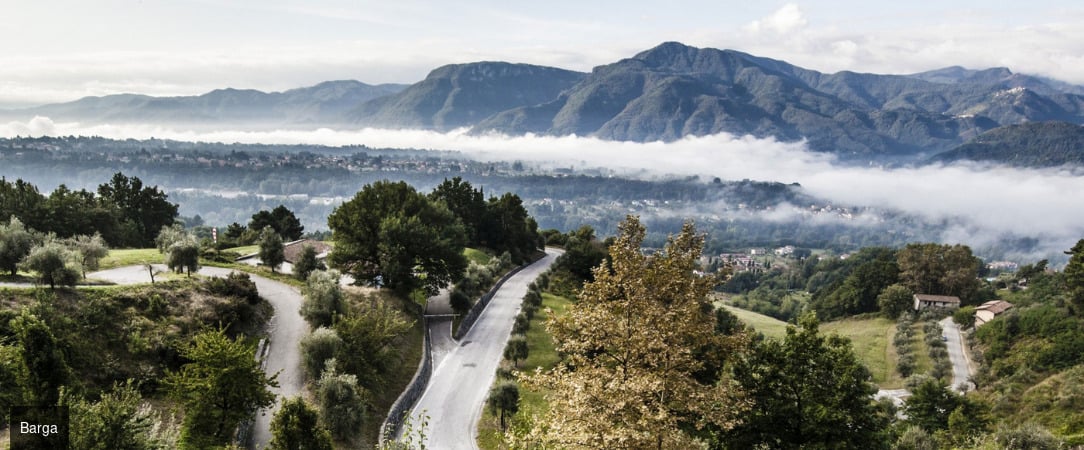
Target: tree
point(90, 249)
point(306, 263)
point(15, 243)
point(323, 298)
point(895, 300)
point(54, 263)
point(809, 390)
point(964, 317)
point(940, 270)
point(390, 234)
point(504, 400)
point(117, 421)
point(145, 209)
point(280, 219)
point(516, 349)
point(930, 404)
point(43, 357)
point(342, 402)
point(180, 248)
point(296, 426)
point(368, 333)
point(465, 202)
point(272, 250)
point(1074, 276)
point(222, 384)
point(627, 379)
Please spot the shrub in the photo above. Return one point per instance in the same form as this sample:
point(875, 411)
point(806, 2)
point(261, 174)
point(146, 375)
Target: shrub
point(323, 298)
point(236, 284)
point(342, 403)
point(459, 300)
point(317, 348)
point(523, 323)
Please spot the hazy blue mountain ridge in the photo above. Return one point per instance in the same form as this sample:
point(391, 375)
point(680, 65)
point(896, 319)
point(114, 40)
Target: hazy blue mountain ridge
point(1033, 144)
point(664, 93)
point(461, 95)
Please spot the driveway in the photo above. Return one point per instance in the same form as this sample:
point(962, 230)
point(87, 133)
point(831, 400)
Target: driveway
point(285, 331)
point(961, 369)
point(460, 383)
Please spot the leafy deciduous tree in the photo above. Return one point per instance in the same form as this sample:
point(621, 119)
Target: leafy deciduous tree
point(629, 344)
point(296, 426)
point(895, 300)
point(222, 385)
point(504, 400)
point(809, 390)
point(91, 250)
point(54, 264)
point(280, 219)
point(516, 349)
point(391, 233)
point(15, 243)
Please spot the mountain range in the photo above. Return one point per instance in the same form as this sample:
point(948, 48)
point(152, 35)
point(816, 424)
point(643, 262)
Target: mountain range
point(665, 93)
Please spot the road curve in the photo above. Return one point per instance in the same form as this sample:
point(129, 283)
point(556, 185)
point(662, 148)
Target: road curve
point(285, 330)
point(460, 383)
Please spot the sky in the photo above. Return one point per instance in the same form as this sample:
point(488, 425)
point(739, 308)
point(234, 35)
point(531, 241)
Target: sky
point(61, 50)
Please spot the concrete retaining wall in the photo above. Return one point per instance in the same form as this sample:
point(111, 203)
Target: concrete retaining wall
point(390, 429)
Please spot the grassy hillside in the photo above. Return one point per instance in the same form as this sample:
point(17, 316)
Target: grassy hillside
point(871, 339)
point(768, 326)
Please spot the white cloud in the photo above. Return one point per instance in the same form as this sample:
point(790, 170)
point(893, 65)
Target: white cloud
point(982, 203)
point(784, 20)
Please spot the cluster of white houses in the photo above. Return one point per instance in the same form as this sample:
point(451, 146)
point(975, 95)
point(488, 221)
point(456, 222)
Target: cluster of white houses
point(983, 313)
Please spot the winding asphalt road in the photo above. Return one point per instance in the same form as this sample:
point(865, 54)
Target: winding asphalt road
point(461, 379)
point(285, 330)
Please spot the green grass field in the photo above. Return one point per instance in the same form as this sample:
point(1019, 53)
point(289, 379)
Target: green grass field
point(130, 257)
point(871, 339)
point(769, 326)
point(542, 354)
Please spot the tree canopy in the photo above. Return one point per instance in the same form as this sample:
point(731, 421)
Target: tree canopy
point(630, 345)
point(810, 391)
point(280, 219)
point(391, 234)
point(222, 384)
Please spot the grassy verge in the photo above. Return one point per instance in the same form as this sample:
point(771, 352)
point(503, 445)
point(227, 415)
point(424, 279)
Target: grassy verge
point(130, 257)
point(543, 355)
point(871, 339)
point(245, 250)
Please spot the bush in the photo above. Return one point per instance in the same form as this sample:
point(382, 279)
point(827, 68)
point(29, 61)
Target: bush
point(317, 348)
point(459, 300)
point(236, 284)
point(342, 403)
point(323, 298)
